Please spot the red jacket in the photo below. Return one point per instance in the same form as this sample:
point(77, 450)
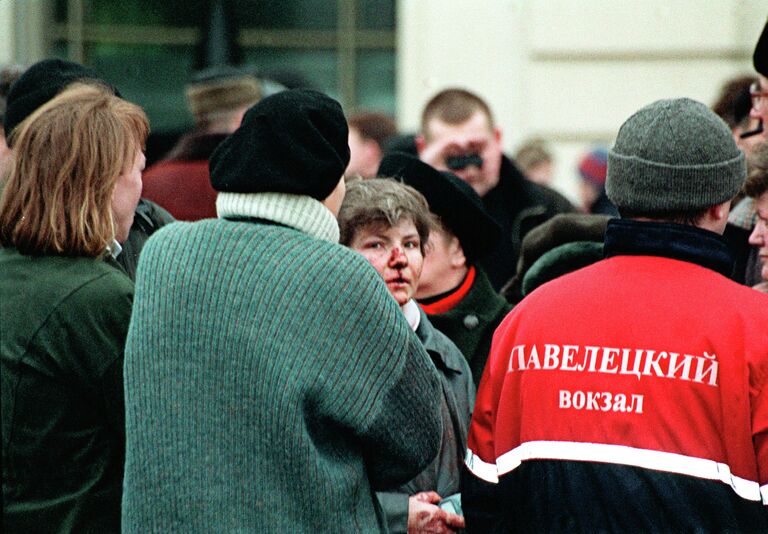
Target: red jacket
point(181, 187)
point(181, 183)
point(627, 395)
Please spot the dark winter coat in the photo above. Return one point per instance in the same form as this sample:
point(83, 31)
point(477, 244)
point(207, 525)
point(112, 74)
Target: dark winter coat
point(148, 219)
point(458, 398)
point(63, 324)
point(518, 205)
point(471, 323)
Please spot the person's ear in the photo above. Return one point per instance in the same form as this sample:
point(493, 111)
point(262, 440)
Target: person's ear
point(420, 143)
point(458, 258)
point(720, 211)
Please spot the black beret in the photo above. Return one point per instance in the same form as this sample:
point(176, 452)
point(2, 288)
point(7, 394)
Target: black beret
point(760, 57)
point(460, 209)
point(291, 142)
point(39, 84)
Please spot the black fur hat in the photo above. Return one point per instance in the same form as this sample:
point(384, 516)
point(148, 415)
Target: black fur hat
point(460, 209)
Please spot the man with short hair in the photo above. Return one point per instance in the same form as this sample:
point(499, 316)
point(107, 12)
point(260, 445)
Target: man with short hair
point(454, 290)
point(369, 133)
point(458, 134)
point(217, 97)
point(630, 395)
point(748, 111)
point(756, 188)
point(536, 161)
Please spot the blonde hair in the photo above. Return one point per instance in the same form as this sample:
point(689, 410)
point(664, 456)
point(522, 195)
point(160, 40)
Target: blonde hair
point(67, 158)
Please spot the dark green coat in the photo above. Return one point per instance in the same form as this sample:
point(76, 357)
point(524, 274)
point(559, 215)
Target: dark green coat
point(471, 323)
point(63, 323)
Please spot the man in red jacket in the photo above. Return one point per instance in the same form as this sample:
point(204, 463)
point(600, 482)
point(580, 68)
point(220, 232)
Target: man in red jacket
point(218, 97)
point(630, 395)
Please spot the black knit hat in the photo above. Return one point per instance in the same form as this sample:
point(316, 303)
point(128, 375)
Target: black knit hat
point(460, 209)
point(39, 84)
point(291, 142)
point(760, 57)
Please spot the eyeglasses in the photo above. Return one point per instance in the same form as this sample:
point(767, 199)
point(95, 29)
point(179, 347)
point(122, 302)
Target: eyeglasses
point(759, 98)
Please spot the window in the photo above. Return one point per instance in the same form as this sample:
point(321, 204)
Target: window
point(146, 48)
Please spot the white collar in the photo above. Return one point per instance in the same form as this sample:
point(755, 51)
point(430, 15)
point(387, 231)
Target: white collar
point(412, 314)
point(114, 249)
point(301, 212)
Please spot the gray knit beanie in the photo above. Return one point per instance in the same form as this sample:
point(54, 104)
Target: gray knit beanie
point(674, 155)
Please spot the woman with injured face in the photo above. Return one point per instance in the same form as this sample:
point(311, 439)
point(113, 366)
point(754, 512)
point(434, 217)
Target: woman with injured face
point(388, 223)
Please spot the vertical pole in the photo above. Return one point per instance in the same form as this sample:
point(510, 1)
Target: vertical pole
point(75, 30)
point(347, 53)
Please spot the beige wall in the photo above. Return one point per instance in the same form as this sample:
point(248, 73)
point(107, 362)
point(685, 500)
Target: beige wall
point(6, 31)
point(571, 71)
point(23, 26)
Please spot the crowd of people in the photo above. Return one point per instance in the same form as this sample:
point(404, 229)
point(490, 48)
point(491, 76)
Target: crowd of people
point(298, 321)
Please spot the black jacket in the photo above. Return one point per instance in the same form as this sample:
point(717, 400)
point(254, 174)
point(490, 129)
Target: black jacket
point(148, 219)
point(62, 333)
point(518, 205)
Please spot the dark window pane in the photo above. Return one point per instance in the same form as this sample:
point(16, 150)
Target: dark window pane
point(319, 67)
point(376, 14)
point(60, 11)
point(283, 14)
point(144, 12)
point(152, 76)
point(59, 50)
point(376, 80)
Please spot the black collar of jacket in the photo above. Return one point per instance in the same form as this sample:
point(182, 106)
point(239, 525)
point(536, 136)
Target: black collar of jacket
point(257, 220)
point(511, 181)
point(625, 237)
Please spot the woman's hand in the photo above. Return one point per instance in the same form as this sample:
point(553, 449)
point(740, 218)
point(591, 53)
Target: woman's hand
point(425, 517)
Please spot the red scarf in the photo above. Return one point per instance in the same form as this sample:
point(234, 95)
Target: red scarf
point(450, 301)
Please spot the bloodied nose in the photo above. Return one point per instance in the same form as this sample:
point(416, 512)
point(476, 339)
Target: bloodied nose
point(397, 257)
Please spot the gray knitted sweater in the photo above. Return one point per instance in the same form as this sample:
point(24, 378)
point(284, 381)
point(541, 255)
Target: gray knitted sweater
point(271, 382)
